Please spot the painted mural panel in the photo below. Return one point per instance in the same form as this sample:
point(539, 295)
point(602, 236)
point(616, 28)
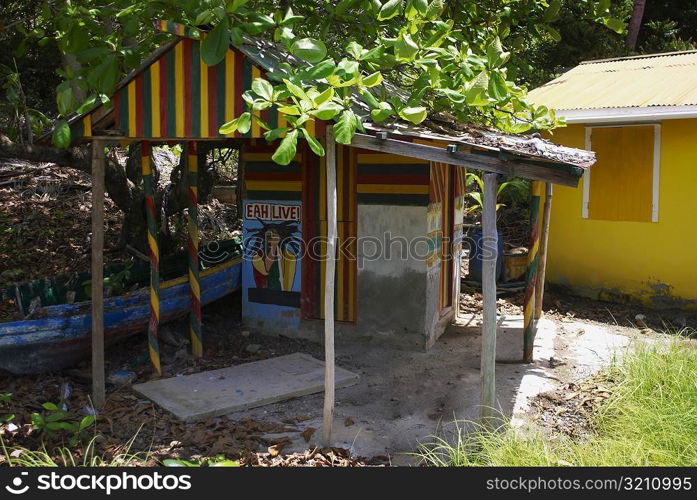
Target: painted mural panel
point(273, 247)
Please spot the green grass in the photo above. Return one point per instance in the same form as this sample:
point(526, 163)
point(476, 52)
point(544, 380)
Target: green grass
point(650, 419)
point(19, 456)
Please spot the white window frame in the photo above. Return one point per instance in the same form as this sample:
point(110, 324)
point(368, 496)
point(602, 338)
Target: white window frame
point(656, 166)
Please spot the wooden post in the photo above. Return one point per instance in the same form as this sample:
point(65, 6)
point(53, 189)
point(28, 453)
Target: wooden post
point(153, 326)
point(194, 280)
point(489, 256)
point(97, 275)
point(328, 414)
point(531, 276)
point(544, 240)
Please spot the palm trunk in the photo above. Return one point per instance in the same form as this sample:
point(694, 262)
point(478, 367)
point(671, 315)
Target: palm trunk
point(635, 23)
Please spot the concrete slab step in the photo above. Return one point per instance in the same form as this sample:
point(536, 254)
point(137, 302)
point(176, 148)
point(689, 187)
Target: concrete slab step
point(219, 392)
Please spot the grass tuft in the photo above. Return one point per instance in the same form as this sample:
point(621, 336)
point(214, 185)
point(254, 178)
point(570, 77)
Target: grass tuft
point(650, 419)
point(19, 456)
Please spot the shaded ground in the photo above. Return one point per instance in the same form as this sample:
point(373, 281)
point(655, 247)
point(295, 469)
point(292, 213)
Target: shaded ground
point(45, 221)
point(45, 224)
point(403, 396)
point(563, 306)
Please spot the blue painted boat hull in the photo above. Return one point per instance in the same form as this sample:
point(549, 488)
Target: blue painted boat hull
point(60, 336)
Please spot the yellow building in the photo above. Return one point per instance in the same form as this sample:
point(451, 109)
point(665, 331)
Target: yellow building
point(628, 232)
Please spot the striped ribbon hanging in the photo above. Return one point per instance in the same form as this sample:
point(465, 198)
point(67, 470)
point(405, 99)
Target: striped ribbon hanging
point(531, 276)
point(153, 346)
point(191, 156)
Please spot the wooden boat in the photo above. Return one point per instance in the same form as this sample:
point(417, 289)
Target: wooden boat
point(56, 336)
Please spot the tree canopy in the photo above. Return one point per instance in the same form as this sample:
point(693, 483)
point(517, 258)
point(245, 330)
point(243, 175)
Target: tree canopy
point(460, 57)
point(471, 59)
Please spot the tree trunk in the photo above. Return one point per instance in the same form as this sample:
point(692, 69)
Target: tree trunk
point(635, 23)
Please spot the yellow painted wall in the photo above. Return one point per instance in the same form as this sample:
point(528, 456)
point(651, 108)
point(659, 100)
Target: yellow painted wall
point(654, 262)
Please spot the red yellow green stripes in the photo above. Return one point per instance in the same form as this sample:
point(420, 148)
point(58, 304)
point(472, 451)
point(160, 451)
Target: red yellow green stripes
point(178, 96)
point(445, 194)
point(153, 345)
point(315, 230)
point(82, 127)
point(191, 154)
point(176, 28)
point(386, 179)
point(531, 276)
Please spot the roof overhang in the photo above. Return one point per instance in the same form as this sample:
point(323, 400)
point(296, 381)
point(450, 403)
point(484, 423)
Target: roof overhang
point(627, 115)
point(508, 163)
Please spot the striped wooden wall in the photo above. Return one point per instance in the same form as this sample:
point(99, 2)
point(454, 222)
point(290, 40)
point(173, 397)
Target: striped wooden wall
point(179, 97)
point(315, 226)
point(446, 193)
point(266, 180)
point(386, 179)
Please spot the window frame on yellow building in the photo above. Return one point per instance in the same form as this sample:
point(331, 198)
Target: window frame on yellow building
point(656, 168)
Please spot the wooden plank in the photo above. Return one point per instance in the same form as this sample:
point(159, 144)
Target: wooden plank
point(542, 264)
point(193, 242)
point(529, 326)
point(153, 246)
point(488, 349)
point(328, 413)
point(566, 175)
point(97, 275)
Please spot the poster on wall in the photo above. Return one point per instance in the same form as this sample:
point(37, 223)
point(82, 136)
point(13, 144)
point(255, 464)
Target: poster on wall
point(273, 247)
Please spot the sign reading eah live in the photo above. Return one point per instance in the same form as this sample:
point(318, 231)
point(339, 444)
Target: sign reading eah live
point(269, 211)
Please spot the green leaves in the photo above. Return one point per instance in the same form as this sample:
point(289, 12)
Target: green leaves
point(497, 86)
point(390, 9)
point(345, 128)
point(318, 71)
point(328, 110)
point(382, 112)
point(61, 134)
point(552, 12)
point(616, 25)
point(405, 48)
point(414, 114)
point(241, 124)
point(263, 88)
point(476, 95)
point(215, 45)
point(107, 75)
point(314, 144)
point(64, 98)
point(309, 49)
point(496, 56)
point(286, 150)
point(372, 80)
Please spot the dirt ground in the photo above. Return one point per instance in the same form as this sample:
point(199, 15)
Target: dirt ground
point(403, 397)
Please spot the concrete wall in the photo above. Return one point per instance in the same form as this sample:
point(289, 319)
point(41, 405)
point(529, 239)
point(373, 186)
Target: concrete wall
point(392, 294)
point(654, 263)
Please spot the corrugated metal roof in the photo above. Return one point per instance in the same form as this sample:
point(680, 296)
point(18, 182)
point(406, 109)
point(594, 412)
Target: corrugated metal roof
point(643, 81)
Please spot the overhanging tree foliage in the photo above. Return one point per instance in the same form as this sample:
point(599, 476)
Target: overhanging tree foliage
point(458, 57)
point(467, 58)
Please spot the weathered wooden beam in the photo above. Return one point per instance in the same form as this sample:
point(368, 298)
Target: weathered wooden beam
point(567, 175)
point(330, 263)
point(151, 215)
point(97, 275)
point(488, 410)
point(193, 241)
point(529, 325)
point(544, 241)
